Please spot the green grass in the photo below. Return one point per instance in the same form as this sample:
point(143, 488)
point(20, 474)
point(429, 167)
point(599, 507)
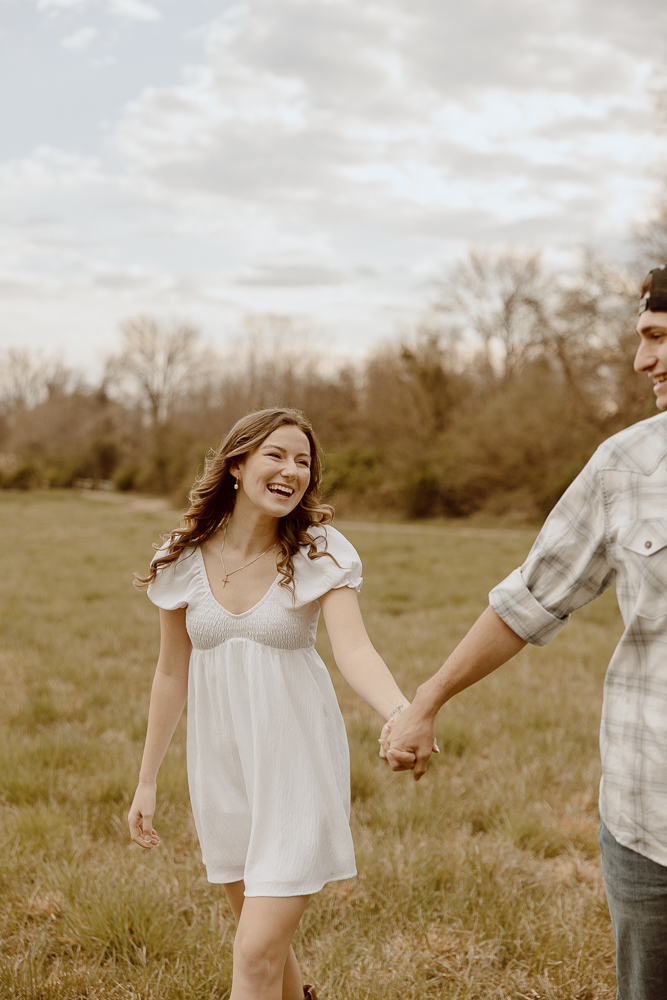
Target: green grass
point(480, 881)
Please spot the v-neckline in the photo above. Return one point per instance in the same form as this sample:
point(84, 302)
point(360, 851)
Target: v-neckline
point(232, 614)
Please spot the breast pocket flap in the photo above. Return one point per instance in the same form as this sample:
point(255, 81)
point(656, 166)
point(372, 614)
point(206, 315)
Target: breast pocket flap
point(645, 538)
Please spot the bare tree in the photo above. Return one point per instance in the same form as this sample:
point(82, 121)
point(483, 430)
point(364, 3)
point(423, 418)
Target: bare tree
point(586, 327)
point(156, 363)
point(274, 359)
point(650, 237)
point(490, 295)
point(27, 379)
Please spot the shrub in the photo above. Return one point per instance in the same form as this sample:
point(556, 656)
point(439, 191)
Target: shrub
point(125, 478)
point(25, 477)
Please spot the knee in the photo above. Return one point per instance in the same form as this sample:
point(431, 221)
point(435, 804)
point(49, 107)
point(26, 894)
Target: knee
point(259, 959)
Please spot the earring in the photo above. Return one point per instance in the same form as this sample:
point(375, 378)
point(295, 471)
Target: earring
point(236, 484)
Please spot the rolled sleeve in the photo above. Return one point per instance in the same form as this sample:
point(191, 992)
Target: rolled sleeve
point(567, 567)
point(513, 602)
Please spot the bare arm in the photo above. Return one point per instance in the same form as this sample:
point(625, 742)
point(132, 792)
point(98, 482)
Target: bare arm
point(488, 644)
point(356, 657)
point(168, 696)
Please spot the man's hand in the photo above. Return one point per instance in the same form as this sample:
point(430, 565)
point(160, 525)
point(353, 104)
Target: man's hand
point(408, 741)
point(397, 759)
point(488, 644)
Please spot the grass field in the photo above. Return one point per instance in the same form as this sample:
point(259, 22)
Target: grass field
point(480, 881)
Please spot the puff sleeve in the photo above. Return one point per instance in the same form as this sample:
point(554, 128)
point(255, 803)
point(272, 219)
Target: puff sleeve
point(173, 586)
point(316, 577)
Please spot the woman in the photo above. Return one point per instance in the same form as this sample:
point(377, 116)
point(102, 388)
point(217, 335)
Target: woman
point(240, 585)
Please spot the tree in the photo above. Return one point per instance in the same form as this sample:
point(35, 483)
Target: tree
point(274, 360)
point(26, 379)
point(650, 235)
point(156, 363)
point(650, 238)
point(585, 328)
point(490, 295)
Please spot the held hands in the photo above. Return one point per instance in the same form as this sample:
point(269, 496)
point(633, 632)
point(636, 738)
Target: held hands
point(407, 742)
point(140, 816)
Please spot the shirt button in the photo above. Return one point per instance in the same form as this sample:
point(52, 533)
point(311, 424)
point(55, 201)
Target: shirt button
point(648, 545)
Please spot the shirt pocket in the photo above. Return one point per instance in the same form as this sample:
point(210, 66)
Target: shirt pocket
point(644, 546)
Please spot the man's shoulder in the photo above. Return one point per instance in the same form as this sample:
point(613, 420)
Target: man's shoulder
point(638, 448)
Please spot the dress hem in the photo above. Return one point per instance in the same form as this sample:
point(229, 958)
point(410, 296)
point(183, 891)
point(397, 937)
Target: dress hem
point(281, 890)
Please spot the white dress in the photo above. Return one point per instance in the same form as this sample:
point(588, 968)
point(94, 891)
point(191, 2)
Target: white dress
point(267, 753)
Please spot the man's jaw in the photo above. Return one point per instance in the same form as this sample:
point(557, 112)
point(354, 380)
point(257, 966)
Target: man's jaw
point(659, 380)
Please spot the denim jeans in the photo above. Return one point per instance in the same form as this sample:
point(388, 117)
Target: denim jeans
point(637, 896)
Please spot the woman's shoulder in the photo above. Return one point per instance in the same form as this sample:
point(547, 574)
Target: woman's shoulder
point(335, 563)
point(173, 582)
point(182, 566)
point(330, 539)
point(168, 546)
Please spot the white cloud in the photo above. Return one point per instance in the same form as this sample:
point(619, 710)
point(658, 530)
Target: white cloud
point(46, 176)
point(80, 40)
point(61, 4)
point(134, 10)
point(324, 116)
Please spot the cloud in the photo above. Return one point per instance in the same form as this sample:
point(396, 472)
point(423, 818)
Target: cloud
point(296, 275)
point(243, 135)
point(130, 279)
point(131, 10)
point(134, 10)
point(16, 284)
point(294, 97)
point(80, 40)
point(48, 209)
point(56, 5)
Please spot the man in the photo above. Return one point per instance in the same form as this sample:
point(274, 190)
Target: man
point(610, 526)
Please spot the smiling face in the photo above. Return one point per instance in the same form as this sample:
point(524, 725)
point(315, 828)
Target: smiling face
point(274, 477)
point(651, 356)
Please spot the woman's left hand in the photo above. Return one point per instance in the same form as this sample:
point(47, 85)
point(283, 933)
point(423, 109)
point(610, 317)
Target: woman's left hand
point(140, 816)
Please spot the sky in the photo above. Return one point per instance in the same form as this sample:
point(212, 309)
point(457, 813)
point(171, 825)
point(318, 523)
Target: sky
point(323, 159)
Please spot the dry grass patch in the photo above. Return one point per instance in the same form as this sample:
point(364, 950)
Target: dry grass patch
point(481, 881)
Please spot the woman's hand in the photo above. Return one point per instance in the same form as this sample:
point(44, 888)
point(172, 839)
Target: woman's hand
point(140, 816)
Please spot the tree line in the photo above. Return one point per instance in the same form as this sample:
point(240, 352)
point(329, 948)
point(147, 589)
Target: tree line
point(491, 404)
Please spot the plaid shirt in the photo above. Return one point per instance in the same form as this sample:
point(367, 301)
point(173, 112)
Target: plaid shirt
point(611, 527)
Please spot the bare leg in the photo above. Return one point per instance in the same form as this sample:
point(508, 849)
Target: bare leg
point(292, 983)
point(261, 947)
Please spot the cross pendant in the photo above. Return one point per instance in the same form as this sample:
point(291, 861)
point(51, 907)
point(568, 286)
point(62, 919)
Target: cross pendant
point(224, 582)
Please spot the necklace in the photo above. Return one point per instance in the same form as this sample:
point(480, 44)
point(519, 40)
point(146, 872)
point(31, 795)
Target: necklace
point(245, 565)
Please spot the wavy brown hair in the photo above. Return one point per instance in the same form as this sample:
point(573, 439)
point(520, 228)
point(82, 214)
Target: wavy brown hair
point(212, 496)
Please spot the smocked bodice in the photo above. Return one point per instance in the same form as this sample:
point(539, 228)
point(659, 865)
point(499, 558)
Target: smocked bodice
point(270, 622)
point(285, 618)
